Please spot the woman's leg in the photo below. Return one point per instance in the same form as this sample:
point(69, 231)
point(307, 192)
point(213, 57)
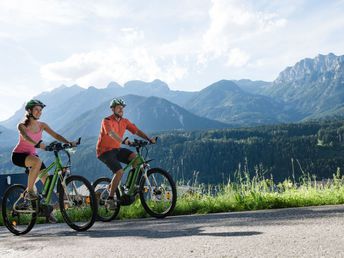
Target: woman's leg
point(44, 178)
point(35, 164)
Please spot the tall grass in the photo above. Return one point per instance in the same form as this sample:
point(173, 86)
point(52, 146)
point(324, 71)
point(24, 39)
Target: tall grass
point(258, 192)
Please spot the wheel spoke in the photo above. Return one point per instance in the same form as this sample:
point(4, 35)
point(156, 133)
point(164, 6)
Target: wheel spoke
point(101, 187)
point(158, 194)
point(19, 214)
point(77, 203)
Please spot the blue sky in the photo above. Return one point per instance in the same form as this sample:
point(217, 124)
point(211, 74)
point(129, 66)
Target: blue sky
point(188, 44)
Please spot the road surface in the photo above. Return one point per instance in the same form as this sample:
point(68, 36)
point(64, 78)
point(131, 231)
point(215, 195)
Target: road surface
point(296, 232)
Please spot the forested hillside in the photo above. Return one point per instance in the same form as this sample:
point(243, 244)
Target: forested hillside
point(315, 147)
point(283, 151)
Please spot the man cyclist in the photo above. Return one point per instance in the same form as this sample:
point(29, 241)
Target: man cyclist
point(109, 149)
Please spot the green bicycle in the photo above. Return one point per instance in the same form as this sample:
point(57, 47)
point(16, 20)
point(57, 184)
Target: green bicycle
point(76, 196)
point(155, 187)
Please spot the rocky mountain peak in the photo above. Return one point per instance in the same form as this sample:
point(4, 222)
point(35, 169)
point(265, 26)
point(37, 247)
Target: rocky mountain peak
point(312, 68)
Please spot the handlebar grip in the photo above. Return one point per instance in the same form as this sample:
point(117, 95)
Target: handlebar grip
point(156, 139)
point(123, 142)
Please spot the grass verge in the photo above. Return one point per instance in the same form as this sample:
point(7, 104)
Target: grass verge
point(247, 194)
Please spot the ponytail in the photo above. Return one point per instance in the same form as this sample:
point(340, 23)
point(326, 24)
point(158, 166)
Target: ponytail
point(26, 120)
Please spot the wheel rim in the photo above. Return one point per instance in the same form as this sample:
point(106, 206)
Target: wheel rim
point(77, 207)
point(157, 193)
point(102, 193)
point(18, 213)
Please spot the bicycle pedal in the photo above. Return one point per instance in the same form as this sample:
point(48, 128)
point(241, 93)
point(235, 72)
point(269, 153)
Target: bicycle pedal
point(45, 210)
point(124, 189)
point(23, 208)
point(126, 199)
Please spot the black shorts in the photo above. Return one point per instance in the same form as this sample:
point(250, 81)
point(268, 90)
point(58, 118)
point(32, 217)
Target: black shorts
point(18, 159)
point(113, 158)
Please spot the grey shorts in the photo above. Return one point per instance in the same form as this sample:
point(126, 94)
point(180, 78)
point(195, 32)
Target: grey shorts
point(113, 158)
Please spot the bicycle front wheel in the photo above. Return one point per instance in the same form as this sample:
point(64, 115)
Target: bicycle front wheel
point(19, 215)
point(101, 186)
point(158, 193)
point(78, 203)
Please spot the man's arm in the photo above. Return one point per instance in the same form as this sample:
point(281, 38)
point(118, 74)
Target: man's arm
point(134, 130)
point(144, 136)
point(115, 136)
point(109, 131)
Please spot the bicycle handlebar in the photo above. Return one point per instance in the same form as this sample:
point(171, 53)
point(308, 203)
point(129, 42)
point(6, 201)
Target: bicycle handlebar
point(140, 143)
point(57, 146)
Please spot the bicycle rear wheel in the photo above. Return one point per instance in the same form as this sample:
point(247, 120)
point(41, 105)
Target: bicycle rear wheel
point(78, 203)
point(19, 215)
point(101, 186)
point(158, 193)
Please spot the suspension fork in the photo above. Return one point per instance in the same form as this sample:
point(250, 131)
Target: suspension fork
point(145, 176)
point(64, 186)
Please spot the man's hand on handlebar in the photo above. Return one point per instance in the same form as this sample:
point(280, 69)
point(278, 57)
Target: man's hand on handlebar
point(126, 141)
point(153, 140)
point(141, 143)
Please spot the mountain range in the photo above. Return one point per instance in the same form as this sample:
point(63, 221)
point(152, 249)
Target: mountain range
point(152, 114)
point(225, 101)
point(312, 88)
point(7, 137)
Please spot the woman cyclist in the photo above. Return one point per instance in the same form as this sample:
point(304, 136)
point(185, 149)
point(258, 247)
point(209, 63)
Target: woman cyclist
point(30, 138)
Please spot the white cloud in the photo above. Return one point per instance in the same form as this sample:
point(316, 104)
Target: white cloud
point(233, 21)
point(189, 44)
point(116, 64)
point(14, 97)
point(131, 35)
point(237, 58)
point(57, 11)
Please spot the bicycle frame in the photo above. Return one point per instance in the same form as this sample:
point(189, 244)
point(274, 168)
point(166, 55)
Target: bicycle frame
point(154, 186)
point(75, 196)
point(49, 187)
point(133, 176)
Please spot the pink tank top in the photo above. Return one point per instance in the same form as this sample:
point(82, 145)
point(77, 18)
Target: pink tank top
point(24, 146)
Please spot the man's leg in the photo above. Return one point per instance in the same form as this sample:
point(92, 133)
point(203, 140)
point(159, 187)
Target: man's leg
point(125, 156)
point(115, 182)
point(131, 157)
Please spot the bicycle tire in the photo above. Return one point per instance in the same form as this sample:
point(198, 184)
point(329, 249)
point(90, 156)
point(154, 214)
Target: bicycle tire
point(142, 191)
point(7, 205)
point(64, 206)
point(102, 209)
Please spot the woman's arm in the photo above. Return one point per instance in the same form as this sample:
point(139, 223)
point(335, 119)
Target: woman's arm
point(54, 134)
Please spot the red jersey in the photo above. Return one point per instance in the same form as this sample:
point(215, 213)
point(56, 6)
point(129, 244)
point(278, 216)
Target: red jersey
point(105, 142)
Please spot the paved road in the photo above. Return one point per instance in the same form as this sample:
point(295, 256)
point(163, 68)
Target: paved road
point(299, 232)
